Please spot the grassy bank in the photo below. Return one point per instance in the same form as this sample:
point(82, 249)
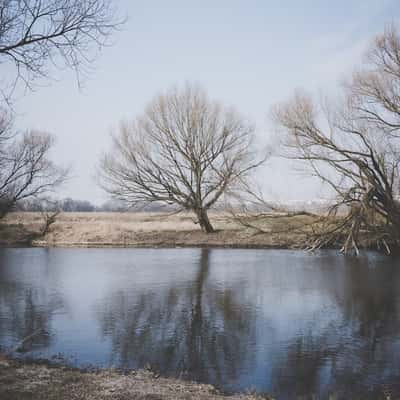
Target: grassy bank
point(37, 381)
point(146, 230)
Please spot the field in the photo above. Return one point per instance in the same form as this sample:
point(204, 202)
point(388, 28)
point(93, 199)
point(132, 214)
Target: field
point(146, 230)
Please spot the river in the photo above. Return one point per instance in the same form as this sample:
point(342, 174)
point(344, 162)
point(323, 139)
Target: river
point(287, 323)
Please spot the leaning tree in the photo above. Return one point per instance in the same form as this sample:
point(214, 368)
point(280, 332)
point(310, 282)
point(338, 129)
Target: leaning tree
point(353, 146)
point(185, 150)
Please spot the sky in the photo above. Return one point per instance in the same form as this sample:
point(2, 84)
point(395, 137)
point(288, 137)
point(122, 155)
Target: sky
point(247, 54)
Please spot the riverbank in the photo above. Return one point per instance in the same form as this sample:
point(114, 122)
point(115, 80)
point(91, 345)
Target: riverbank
point(147, 230)
point(36, 381)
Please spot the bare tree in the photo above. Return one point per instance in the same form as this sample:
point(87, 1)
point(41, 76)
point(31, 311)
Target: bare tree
point(38, 34)
point(354, 147)
point(185, 151)
point(49, 213)
point(25, 168)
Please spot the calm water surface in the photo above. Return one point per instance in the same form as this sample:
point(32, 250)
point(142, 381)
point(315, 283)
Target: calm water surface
point(287, 323)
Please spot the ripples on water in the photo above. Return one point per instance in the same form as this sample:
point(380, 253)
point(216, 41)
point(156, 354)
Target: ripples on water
point(283, 322)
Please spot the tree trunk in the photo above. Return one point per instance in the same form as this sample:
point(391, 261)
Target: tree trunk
point(5, 208)
point(204, 221)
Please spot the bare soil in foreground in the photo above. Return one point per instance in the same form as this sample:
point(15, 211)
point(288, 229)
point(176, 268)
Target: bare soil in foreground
point(39, 381)
point(146, 230)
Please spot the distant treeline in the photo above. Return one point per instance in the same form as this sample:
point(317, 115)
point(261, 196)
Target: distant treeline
point(76, 205)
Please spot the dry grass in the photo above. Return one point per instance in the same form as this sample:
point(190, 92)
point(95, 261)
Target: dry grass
point(37, 381)
point(147, 229)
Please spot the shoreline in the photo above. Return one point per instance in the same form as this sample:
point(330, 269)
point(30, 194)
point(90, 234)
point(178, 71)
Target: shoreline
point(156, 230)
point(41, 379)
point(91, 245)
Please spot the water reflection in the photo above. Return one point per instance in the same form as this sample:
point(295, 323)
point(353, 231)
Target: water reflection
point(356, 353)
point(282, 322)
point(26, 308)
point(194, 329)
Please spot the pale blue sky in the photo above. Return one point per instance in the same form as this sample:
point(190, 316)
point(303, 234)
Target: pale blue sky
point(248, 54)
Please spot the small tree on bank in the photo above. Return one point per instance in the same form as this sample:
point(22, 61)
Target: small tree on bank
point(354, 148)
point(185, 151)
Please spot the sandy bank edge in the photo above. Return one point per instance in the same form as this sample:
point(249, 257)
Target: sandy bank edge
point(36, 380)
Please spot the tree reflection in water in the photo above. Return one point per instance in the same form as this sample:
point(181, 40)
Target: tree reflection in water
point(357, 354)
point(282, 322)
point(195, 330)
point(26, 309)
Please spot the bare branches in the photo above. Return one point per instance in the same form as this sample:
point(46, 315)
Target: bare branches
point(185, 150)
point(354, 147)
point(25, 169)
point(50, 210)
point(36, 34)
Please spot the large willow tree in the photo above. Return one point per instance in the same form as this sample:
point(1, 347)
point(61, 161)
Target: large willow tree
point(185, 150)
point(353, 146)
